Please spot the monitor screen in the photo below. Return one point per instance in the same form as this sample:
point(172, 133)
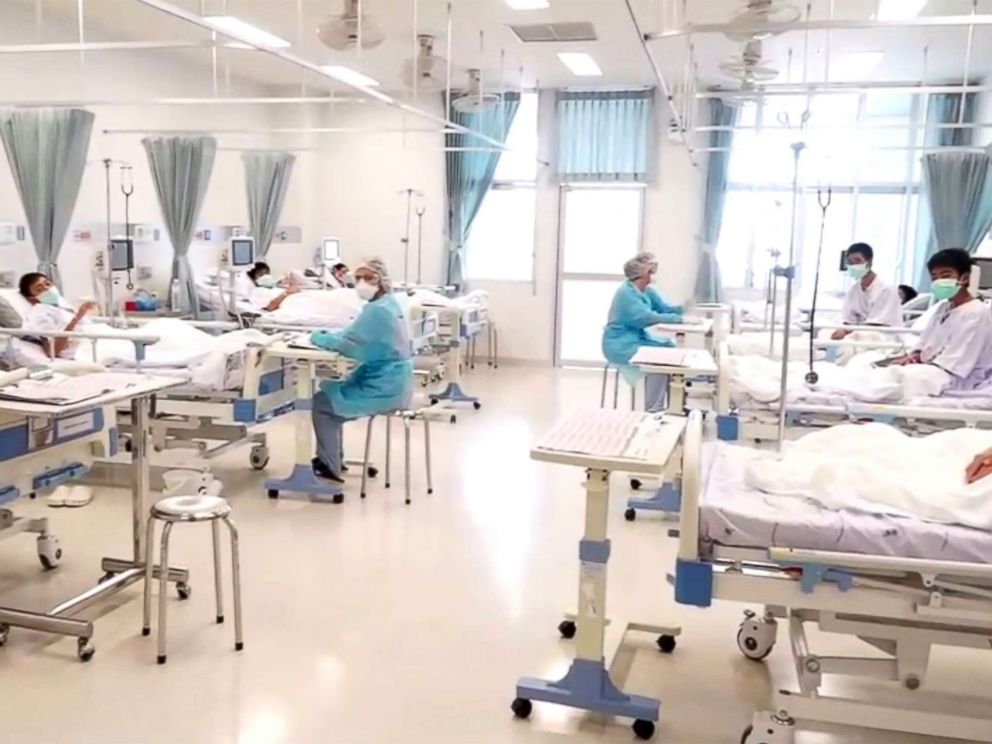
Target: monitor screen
point(985, 266)
point(121, 254)
point(242, 251)
point(331, 249)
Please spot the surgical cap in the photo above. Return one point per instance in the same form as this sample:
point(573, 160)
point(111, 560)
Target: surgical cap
point(639, 265)
point(378, 266)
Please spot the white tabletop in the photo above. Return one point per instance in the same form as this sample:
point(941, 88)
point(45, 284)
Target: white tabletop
point(703, 328)
point(695, 362)
point(140, 386)
point(663, 442)
point(283, 350)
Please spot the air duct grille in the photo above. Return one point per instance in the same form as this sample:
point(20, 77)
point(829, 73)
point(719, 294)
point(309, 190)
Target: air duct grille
point(538, 33)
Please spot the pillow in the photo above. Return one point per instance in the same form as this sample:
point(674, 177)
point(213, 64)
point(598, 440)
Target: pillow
point(9, 317)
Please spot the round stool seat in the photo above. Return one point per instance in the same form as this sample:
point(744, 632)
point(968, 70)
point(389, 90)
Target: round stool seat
point(196, 508)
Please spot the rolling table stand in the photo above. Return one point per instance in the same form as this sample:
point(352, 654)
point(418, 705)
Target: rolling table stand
point(587, 684)
point(302, 478)
point(118, 573)
point(453, 393)
point(667, 498)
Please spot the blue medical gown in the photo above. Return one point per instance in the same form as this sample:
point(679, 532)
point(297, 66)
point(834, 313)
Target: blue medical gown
point(383, 380)
point(631, 314)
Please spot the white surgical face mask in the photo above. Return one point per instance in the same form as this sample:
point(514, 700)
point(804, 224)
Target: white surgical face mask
point(267, 281)
point(366, 291)
point(50, 296)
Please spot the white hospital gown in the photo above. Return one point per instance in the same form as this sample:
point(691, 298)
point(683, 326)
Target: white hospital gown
point(249, 298)
point(959, 341)
point(877, 305)
point(49, 318)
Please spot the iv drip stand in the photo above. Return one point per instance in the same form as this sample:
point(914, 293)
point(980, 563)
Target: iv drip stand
point(421, 211)
point(410, 193)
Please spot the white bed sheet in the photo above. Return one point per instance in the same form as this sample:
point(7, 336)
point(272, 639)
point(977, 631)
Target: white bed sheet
point(735, 515)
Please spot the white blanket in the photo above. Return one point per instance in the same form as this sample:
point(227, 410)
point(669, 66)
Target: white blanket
point(758, 379)
point(877, 469)
point(335, 308)
point(427, 298)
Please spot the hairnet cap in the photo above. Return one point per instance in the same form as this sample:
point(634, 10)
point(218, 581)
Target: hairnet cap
point(379, 267)
point(639, 265)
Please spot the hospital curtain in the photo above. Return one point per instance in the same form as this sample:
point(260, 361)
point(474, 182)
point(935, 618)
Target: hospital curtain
point(605, 136)
point(470, 164)
point(267, 176)
point(181, 168)
point(708, 284)
point(47, 151)
point(959, 192)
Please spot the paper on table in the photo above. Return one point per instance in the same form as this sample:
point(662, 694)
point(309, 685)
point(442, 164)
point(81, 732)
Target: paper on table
point(62, 390)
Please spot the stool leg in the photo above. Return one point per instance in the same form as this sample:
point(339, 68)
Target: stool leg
point(146, 617)
point(602, 393)
point(218, 578)
point(406, 455)
point(365, 459)
point(616, 387)
point(496, 353)
point(239, 641)
point(427, 450)
point(163, 589)
point(389, 447)
point(633, 398)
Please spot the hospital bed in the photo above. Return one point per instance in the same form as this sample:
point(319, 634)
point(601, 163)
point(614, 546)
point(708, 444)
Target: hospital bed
point(900, 585)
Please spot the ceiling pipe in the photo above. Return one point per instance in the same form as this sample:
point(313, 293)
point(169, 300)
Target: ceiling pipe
point(826, 25)
point(211, 101)
point(841, 89)
point(283, 130)
point(176, 12)
point(99, 46)
point(662, 83)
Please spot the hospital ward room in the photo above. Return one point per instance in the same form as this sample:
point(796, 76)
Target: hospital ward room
point(495, 371)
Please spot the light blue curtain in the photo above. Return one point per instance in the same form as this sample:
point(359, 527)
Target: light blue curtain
point(945, 108)
point(959, 192)
point(470, 173)
point(605, 136)
point(47, 150)
point(181, 168)
point(709, 288)
point(267, 176)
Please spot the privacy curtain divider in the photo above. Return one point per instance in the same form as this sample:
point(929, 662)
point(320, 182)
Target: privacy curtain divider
point(47, 151)
point(181, 168)
point(470, 173)
point(709, 287)
point(267, 177)
point(959, 192)
point(605, 136)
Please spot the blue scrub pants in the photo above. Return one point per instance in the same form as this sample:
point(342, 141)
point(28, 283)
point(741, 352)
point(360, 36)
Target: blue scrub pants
point(655, 393)
point(328, 427)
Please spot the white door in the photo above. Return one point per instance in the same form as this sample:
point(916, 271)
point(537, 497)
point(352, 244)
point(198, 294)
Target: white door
point(600, 228)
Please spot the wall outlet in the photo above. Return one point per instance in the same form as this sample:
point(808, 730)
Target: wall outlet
point(8, 233)
point(7, 279)
point(144, 273)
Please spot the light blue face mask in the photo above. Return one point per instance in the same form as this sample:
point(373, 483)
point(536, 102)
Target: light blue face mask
point(857, 271)
point(50, 296)
point(944, 289)
point(266, 282)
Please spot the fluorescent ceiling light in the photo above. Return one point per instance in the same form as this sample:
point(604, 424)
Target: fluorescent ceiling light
point(246, 31)
point(855, 67)
point(350, 76)
point(580, 63)
point(529, 4)
point(899, 10)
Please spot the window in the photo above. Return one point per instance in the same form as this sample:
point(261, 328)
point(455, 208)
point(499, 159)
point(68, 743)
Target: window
point(500, 245)
point(857, 143)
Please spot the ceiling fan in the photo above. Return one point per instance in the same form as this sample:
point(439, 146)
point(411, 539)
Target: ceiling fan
point(474, 99)
point(427, 69)
point(340, 32)
point(749, 68)
point(751, 24)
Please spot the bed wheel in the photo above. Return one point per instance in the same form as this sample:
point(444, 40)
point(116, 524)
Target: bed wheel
point(566, 629)
point(643, 729)
point(770, 728)
point(630, 515)
point(746, 736)
point(666, 644)
point(477, 405)
point(635, 484)
point(273, 493)
point(756, 636)
point(259, 457)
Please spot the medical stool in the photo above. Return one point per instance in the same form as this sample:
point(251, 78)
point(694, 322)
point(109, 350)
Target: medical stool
point(407, 417)
point(616, 388)
point(198, 508)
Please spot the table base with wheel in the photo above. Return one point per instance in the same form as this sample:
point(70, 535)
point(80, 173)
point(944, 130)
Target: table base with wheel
point(588, 685)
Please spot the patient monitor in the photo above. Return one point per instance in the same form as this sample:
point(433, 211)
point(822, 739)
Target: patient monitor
point(117, 256)
point(330, 251)
point(240, 254)
point(982, 272)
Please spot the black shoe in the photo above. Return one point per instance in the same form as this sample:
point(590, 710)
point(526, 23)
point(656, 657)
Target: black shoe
point(322, 471)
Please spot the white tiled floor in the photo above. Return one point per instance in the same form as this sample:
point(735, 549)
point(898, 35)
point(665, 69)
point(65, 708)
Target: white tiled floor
point(376, 622)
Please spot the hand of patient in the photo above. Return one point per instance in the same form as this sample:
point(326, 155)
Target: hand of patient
point(979, 468)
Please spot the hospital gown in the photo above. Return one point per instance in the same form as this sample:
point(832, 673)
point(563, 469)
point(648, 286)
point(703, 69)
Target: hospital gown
point(43, 317)
point(631, 314)
point(877, 305)
point(959, 341)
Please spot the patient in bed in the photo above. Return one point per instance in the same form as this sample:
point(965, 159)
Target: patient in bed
point(50, 312)
point(958, 338)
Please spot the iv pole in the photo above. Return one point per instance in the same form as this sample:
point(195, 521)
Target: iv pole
point(421, 211)
point(410, 193)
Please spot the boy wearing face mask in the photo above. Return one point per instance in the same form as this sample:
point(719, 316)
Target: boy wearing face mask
point(260, 275)
point(958, 338)
point(870, 300)
point(50, 312)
